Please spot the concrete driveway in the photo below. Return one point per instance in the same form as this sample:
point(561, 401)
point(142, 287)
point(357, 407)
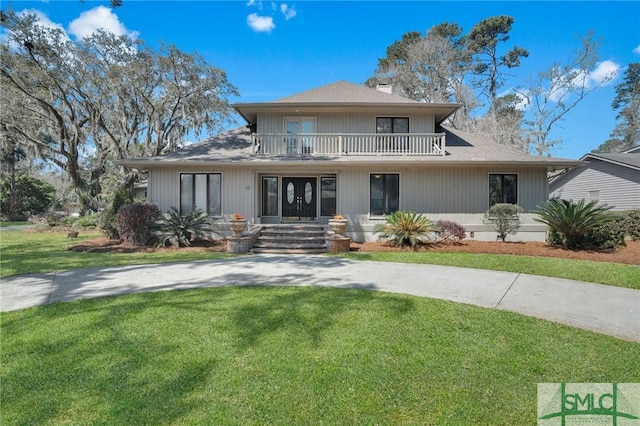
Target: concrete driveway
point(605, 309)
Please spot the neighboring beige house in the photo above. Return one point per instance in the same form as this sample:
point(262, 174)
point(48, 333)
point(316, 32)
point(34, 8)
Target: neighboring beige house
point(348, 149)
point(613, 179)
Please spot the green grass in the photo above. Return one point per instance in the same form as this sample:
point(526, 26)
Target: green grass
point(307, 355)
point(5, 224)
point(27, 252)
point(597, 272)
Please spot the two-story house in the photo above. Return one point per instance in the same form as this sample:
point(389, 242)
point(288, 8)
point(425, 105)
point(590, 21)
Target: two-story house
point(349, 149)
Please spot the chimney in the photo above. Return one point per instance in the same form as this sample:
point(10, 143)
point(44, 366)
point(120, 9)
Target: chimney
point(384, 87)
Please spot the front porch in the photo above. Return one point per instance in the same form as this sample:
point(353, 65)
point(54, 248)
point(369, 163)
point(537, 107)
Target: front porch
point(333, 144)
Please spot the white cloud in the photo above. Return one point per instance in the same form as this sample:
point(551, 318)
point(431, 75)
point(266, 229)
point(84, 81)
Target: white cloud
point(42, 20)
point(287, 11)
point(604, 73)
point(99, 17)
point(260, 23)
point(637, 50)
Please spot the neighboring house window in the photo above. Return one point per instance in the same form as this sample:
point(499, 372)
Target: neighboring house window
point(503, 188)
point(201, 190)
point(384, 193)
point(594, 195)
point(327, 196)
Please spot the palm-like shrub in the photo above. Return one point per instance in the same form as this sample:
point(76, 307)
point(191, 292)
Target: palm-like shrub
point(179, 230)
point(572, 222)
point(405, 228)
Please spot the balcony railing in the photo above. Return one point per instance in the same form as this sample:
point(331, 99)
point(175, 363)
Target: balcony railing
point(333, 144)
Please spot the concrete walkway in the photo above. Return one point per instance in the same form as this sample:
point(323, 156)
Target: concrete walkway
point(605, 309)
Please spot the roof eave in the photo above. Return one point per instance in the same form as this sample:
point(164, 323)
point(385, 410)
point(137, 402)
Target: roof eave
point(551, 165)
point(249, 111)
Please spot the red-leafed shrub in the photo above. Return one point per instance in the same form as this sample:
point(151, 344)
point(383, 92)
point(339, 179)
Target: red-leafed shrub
point(448, 230)
point(133, 222)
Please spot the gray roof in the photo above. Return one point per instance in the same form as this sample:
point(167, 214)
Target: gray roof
point(235, 147)
point(345, 92)
point(630, 159)
point(343, 97)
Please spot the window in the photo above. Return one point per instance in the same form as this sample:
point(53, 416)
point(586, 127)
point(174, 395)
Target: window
point(269, 196)
point(389, 125)
point(201, 190)
point(503, 188)
point(327, 196)
point(295, 126)
point(384, 193)
point(392, 125)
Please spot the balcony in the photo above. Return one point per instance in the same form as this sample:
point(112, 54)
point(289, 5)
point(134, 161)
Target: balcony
point(352, 144)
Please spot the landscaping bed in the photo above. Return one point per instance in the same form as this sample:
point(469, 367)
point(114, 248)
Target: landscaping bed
point(628, 254)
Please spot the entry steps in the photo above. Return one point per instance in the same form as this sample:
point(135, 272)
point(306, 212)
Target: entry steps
point(291, 238)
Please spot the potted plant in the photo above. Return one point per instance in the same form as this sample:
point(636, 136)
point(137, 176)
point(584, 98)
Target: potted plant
point(338, 224)
point(238, 224)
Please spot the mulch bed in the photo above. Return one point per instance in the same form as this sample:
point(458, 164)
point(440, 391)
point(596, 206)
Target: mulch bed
point(629, 254)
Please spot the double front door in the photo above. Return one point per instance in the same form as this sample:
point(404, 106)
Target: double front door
point(299, 199)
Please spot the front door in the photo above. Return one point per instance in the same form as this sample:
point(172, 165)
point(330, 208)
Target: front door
point(299, 199)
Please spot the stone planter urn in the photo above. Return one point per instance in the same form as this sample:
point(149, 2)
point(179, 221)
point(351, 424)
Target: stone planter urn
point(338, 226)
point(338, 244)
point(238, 226)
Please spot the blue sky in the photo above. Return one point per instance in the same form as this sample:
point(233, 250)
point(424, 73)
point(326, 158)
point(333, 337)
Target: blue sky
point(275, 49)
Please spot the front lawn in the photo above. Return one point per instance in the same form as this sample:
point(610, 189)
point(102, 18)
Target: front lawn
point(596, 272)
point(286, 355)
point(5, 224)
point(27, 252)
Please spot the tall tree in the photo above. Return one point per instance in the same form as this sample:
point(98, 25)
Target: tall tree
point(503, 123)
point(626, 134)
point(429, 69)
point(483, 41)
point(105, 94)
point(557, 91)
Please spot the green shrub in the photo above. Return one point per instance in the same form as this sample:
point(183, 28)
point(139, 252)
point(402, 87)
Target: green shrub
point(134, 220)
point(504, 218)
point(108, 217)
point(405, 228)
point(26, 197)
point(632, 224)
point(88, 221)
point(573, 221)
point(450, 231)
point(608, 236)
point(179, 230)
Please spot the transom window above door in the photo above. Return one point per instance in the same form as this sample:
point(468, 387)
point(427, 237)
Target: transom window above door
point(392, 124)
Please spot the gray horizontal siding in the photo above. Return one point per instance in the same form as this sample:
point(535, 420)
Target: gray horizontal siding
point(618, 186)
